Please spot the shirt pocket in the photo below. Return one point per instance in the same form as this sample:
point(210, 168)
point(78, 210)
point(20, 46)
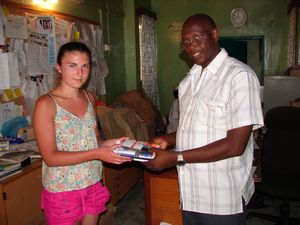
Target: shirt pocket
point(212, 114)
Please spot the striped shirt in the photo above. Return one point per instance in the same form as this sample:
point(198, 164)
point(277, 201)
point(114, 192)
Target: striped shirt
point(223, 96)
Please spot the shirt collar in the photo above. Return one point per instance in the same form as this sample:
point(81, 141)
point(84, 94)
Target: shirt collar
point(213, 66)
point(217, 61)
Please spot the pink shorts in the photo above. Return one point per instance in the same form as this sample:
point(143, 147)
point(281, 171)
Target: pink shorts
point(69, 207)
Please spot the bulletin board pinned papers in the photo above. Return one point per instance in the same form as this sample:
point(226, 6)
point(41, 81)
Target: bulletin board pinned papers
point(9, 72)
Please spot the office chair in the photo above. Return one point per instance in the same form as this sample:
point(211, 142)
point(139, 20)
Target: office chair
point(280, 162)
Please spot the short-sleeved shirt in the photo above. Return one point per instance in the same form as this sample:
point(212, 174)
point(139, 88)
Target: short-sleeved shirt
point(73, 134)
point(223, 96)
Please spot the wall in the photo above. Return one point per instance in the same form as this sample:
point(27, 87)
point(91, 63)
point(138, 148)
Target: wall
point(123, 58)
point(268, 18)
point(113, 34)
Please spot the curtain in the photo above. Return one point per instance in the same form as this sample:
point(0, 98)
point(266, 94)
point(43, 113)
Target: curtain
point(292, 38)
point(148, 58)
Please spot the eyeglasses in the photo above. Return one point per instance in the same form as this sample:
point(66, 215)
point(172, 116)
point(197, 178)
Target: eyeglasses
point(196, 39)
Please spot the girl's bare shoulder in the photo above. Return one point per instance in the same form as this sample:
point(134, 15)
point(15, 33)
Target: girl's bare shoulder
point(91, 96)
point(45, 101)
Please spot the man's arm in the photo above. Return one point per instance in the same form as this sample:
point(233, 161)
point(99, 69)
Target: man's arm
point(232, 145)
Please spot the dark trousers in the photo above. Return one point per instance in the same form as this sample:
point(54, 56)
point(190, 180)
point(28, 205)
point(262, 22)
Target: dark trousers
point(194, 218)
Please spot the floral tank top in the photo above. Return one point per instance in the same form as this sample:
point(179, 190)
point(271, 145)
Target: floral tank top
point(73, 134)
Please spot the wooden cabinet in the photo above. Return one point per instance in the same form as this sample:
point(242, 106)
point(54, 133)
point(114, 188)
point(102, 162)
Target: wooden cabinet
point(119, 179)
point(20, 201)
point(162, 197)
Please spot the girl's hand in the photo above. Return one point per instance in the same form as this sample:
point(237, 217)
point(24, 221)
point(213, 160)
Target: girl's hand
point(108, 155)
point(111, 142)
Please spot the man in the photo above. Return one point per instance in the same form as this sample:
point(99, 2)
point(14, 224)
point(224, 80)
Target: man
point(219, 108)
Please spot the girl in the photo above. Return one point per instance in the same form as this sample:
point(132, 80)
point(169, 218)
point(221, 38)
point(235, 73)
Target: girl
point(67, 136)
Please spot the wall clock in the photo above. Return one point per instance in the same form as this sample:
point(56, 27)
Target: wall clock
point(238, 17)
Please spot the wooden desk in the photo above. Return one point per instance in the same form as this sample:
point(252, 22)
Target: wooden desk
point(162, 197)
point(20, 200)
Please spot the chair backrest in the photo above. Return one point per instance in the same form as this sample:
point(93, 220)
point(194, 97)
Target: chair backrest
point(281, 148)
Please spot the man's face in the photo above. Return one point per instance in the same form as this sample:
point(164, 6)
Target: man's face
point(200, 42)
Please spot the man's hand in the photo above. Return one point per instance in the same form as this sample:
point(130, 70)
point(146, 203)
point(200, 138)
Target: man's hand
point(165, 141)
point(163, 159)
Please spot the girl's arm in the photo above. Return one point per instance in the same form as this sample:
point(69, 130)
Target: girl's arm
point(43, 124)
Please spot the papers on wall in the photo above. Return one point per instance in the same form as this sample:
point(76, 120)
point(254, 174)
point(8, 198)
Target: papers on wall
point(21, 49)
point(38, 54)
point(16, 27)
point(9, 72)
point(34, 87)
point(40, 23)
point(63, 31)
point(92, 36)
point(42, 48)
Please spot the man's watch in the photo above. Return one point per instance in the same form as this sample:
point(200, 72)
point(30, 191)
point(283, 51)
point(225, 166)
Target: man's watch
point(180, 159)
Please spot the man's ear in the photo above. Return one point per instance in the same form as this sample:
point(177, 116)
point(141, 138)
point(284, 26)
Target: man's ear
point(215, 34)
point(58, 68)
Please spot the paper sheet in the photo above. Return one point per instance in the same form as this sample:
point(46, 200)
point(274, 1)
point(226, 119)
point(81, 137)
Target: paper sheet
point(42, 47)
point(38, 54)
point(4, 72)
point(9, 72)
point(16, 27)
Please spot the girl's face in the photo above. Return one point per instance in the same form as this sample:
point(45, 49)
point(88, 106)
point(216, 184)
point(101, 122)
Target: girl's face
point(74, 69)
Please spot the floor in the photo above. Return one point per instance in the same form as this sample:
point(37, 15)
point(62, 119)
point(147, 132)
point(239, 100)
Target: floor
point(130, 210)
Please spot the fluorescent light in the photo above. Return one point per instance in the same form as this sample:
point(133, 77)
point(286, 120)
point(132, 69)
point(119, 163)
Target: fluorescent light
point(44, 2)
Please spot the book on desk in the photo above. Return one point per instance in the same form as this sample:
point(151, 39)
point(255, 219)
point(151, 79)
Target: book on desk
point(13, 162)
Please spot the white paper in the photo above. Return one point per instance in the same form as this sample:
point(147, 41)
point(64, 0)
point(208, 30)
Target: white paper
point(38, 54)
point(63, 31)
point(14, 75)
point(20, 48)
point(87, 33)
point(40, 23)
point(16, 27)
point(4, 72)
point(41, 30)
point(9, 72)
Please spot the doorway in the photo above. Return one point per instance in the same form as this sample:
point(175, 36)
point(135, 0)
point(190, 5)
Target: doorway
point(249, 50)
